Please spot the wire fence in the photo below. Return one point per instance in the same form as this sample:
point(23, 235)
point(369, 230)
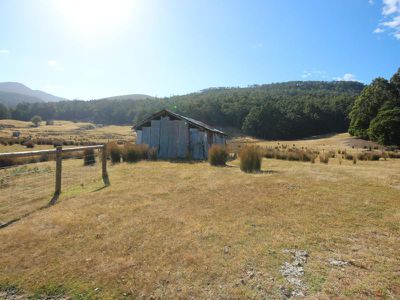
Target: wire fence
point(27, 187)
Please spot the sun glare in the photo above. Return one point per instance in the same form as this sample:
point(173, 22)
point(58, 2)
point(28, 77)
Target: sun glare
point(95, 18)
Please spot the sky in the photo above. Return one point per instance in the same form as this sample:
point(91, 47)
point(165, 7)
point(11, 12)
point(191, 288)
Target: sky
point(89, 49)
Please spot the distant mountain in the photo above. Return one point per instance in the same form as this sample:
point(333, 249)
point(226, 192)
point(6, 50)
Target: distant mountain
point(12, 99)
point(19, 88)
point(129, 97)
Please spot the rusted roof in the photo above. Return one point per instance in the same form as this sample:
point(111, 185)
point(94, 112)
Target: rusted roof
point(191, 121)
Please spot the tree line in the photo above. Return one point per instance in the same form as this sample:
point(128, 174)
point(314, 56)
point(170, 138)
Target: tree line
point(376, 111)
point(273, 111)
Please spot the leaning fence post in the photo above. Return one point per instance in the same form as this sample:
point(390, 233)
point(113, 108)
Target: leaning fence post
point(104, 173)
point(58, 170)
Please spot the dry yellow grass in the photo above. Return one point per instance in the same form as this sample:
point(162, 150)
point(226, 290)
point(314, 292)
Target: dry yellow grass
point(341, 141)
point(26, 188)
point(180, 230)
point(67, 130)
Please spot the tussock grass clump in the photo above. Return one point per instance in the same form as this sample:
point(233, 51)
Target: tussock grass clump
point(324, 158)
point(250, 159)
point(348, 156)
point(89, 157)
point(393, 154)
point(370, 155)
point(218, 155)
point(29, 144)
point(293, 154)
point(152, 154)
point(114, 152)
point(134, 153)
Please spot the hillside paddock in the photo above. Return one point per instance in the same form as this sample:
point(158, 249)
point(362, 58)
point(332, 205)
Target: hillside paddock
point(78, 132)
point(188, 230)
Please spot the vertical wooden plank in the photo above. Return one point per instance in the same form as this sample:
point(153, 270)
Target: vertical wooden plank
point(155, 134)
point(183, 139)
point(205, 145)
point(57, 190)
point(163, 151)
point(104, 165)
point(196, 144)
point(146, 135)
point(171, 139)
point(138, 136)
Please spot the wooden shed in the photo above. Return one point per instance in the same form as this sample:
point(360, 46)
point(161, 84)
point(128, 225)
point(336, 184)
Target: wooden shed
point(176, 136)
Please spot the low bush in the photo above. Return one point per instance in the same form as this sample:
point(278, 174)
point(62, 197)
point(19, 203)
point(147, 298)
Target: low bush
point(134, 153)
point(292, 154)
point(369, 155)
point(324, 158)
point(393, 154)
point(218, 155)
point(89, 157)
point(152, 154)
point(250, 159)
point(29, 144)
point(115, 152)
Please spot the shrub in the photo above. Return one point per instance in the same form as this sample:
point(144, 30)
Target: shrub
point(250, 159)
point(134, 153)
point(217, 155)
point(393, 154)
point(362, 156)
point(36, 120)
point(292, 154)
point(49, 122)
point(115, 152)
point(89, 157)
point(29, 144)
point(375, 156)
point(348, 156)
point(152, 154)
point(324, 158)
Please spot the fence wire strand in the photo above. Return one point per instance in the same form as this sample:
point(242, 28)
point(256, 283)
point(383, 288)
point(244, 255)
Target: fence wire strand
point(26, 188)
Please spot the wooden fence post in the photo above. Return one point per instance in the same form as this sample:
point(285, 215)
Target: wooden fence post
point(104, 173)
point(57, 191)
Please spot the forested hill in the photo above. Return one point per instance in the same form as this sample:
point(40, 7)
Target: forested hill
point(279, 110)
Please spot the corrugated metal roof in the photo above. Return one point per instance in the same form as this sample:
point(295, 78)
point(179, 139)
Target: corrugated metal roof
point(194, 122)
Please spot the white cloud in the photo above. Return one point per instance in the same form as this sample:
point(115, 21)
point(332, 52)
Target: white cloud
point(391, 18)
point(371, 2)
point(378, 30)
point(4, 51)
point(390, 7)
point(394, 23)
point(346, 77)
point(55, 65)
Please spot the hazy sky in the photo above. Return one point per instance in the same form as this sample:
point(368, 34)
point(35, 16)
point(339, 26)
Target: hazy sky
point(92, 49)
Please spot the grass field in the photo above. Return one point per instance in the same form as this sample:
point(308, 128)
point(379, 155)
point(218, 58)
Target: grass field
point(68, 131)
point(189, 230)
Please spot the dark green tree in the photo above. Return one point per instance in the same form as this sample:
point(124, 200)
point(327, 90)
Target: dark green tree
point(385, 128)
point(4, 112)
point(367, 105)
point(395, 81)
point(36, 120)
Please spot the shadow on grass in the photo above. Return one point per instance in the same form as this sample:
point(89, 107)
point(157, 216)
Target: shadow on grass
point(52, 202)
